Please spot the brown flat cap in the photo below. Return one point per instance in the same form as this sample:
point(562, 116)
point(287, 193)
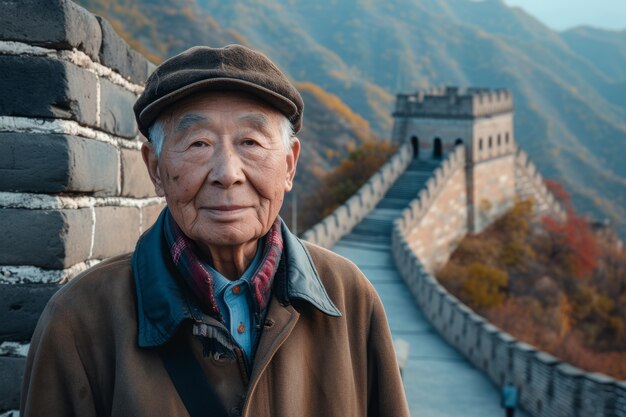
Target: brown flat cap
point(232, 68)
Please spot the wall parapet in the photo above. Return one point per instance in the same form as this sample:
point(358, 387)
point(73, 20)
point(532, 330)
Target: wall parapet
point(548, 387)
point(452, 102)
point(345, 217)
point(444, 229)
point(530, 183)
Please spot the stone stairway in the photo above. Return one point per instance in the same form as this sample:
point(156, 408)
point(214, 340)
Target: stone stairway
point(438, 380)
point(376, 227)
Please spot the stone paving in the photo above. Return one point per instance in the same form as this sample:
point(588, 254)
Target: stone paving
point(437, 379)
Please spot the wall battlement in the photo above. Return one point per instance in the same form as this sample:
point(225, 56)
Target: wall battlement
point(452, 102)
point(343, 219)
point(548, 386)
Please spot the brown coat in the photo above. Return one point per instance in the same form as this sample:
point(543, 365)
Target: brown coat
point(85, 360)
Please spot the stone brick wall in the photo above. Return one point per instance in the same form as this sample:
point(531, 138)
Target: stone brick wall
point(341, 221)
point(492, 190)
point(439, 215)
point(530, 183)
point(73, 189)
point(452, 102)
point(548, 387)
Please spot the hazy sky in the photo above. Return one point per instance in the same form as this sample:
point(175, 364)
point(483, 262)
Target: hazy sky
point(564, 14)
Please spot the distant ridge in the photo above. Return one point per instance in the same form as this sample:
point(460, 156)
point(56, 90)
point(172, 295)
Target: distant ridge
point(569, 88)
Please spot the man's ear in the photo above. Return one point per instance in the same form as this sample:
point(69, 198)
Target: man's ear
point(151, 160)
point(292, 162)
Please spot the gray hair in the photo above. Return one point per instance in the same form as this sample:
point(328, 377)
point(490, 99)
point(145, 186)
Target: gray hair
point(156, 132)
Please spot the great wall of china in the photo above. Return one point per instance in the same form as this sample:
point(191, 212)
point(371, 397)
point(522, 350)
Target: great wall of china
point(72, 179)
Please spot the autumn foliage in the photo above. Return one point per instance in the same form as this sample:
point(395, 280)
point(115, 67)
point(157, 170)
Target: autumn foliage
point(570, 242)
point(556, 283)
point(341, 183)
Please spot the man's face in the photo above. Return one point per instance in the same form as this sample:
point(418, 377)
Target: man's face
point(223, 169)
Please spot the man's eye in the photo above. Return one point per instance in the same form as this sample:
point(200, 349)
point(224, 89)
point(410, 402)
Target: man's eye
point(248, 142)
point(198, 144)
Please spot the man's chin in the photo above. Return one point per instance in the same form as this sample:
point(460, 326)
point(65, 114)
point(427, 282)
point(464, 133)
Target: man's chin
point(229, 233)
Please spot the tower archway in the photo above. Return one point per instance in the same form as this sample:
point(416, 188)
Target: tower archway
point(437, 148)
point(415, 142)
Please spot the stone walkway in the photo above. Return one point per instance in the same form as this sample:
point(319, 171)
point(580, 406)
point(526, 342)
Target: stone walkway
point(437, 379)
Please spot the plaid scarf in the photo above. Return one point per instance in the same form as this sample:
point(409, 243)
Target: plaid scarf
point(185, 255)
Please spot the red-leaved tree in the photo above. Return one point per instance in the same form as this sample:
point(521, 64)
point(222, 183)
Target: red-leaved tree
point(571, 241)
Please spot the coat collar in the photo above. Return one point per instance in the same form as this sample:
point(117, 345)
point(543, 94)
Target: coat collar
point(163, 302)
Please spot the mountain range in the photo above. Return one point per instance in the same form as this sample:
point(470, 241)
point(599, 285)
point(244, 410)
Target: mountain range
point(355, 55)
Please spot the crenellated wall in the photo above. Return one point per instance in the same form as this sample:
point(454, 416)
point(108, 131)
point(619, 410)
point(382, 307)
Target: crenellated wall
point(530, 183)
point(73, 189)
point(439, 214)
point(548, 387)
point(341, 221)
point(424, 237)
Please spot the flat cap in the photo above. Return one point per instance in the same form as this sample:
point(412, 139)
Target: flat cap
point(204, 69)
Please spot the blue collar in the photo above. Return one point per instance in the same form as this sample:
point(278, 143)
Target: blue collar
point(163, 303)
point(220, 282)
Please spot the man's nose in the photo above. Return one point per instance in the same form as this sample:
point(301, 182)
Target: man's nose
point(226, 169)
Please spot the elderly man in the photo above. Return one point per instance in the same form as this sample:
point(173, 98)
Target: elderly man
point(220, 311)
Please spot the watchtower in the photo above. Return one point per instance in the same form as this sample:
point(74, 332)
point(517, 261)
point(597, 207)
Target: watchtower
point(438, 119)
point(481, 119)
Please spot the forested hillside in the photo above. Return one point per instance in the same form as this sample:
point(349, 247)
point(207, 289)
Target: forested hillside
point(557, 285)
point(569, 87)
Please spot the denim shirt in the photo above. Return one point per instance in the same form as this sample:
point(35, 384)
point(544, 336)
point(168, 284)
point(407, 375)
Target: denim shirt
point(234, 299)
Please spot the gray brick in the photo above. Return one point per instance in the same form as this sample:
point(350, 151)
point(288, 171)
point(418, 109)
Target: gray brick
point(46, 87)
point(116, 110)
point(57, 24)
point(44, 238)
point(20, 308)
point(117, 230)
point(117, 55)
point(135, 179)
point(56, 163)
point(149, 215)
point(11, 376)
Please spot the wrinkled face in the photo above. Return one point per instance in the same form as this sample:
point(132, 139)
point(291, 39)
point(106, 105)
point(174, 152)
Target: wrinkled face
point(223, 169)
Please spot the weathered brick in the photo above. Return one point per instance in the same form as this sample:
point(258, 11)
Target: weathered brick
point(11, 378)
point(44, 238)
point(56, 163)
point(58, 24)
point(135, 179)
point(149, 215)
point(47, 87)
point(116, 110)
point(117, 230)
point(117, 55)
point(20, 308)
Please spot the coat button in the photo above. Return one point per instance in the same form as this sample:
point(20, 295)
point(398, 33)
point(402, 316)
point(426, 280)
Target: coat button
point(241, 328)
point(236, 289)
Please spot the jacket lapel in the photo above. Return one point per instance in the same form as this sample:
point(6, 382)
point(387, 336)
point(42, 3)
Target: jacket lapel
point(303, 281)
point(162, 302)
